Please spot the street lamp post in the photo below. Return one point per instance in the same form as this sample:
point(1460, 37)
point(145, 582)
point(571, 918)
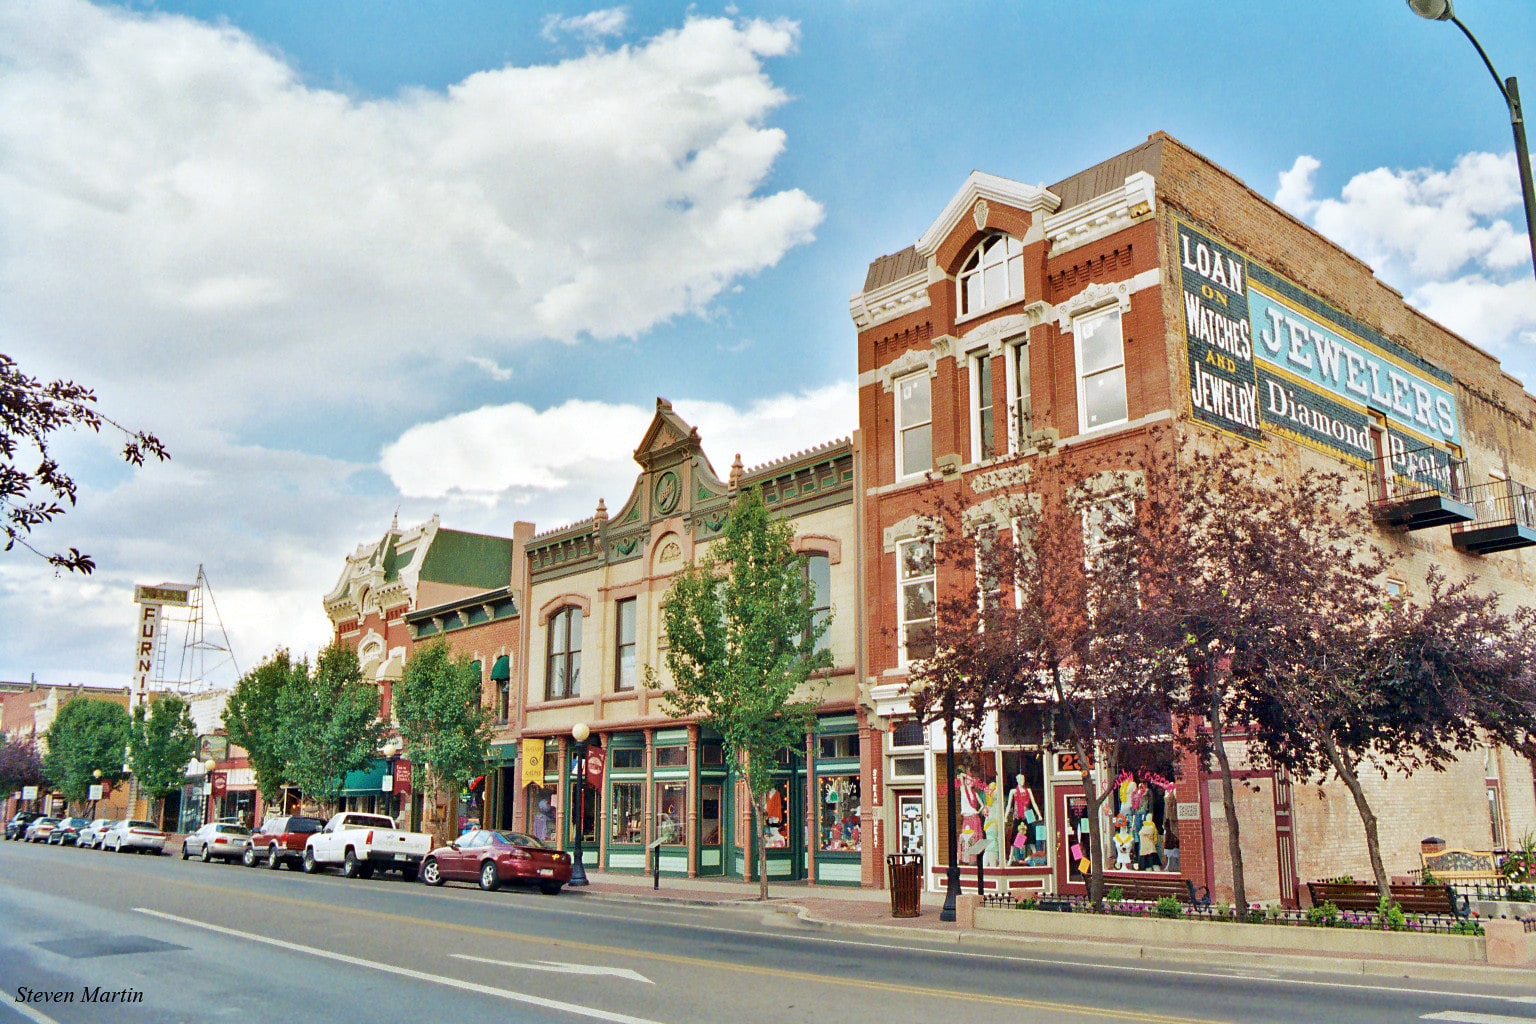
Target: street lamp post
point(952, 874)
point(1440, 10)
point(208, 767)
point(97, 788)
point(580, 732)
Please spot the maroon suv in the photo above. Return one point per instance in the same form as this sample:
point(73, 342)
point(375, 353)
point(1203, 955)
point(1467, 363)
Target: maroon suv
point(281, 841)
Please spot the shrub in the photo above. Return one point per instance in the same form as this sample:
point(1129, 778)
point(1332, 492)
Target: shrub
point(1466, 928)
point(1427, 877)
point(1114, 894)
point(1520, 864)
point(1168, 906)
point(1325, 916)
point(1391, 914)
point(1341, 880)
point(1028, 903)
point(1521, 894)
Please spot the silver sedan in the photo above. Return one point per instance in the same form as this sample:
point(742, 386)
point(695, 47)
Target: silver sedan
point(226, 842)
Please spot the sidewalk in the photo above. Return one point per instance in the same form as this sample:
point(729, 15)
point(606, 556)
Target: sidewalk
point(869, 911)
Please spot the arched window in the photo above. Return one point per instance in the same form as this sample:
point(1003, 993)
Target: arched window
point(818, 572)
point(994, 274)
point(562, 677)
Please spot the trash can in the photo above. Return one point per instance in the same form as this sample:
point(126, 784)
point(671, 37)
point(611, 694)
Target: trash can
point(906, 874)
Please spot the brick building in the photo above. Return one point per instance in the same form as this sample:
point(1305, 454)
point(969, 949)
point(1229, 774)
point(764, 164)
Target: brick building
point(1155, 289)
point(593, 637)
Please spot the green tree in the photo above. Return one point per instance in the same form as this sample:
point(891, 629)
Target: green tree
point(437, 704)
point(87, 736)
point(742, 645)
point(330, 725)
point(162, 741)
point(254, 721)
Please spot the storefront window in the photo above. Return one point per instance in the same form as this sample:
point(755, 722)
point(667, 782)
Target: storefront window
point(1024, 835)
point(776, 820)
point(671, 813)
point(541, 812)
point(839, 746)
point(979, 809)
point(709, 815)
point(628, 757)
point(839, 813)
point(628, 815)
point(1142, 808)
point(671, 757)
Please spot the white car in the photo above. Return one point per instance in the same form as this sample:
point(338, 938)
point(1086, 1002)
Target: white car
point(90, 836)
point(142, 836)
point(221, 840)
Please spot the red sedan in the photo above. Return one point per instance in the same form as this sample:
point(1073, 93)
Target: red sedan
point(495, 858)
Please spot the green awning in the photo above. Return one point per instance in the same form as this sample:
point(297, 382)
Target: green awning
point(502, 753)
point(369, 780)
point(502, 670)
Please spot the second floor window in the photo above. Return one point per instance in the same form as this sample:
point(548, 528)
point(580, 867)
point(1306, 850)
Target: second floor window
point(994, 274)
point(982, 421)
point(503, 702)
point(818, 570)
point(916, 597)
point(1020, 412)
point(562, 677)
point(624, 645)
point(914, 425)
point(1101, 369)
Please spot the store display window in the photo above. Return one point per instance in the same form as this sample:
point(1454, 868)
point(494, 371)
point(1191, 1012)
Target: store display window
point(979, 805)
point(627, 816)
point(671, 813)
point(838, 810)
point(709, 815)
point(1142, 811)
point(776, 820)
point(541, 812)
point(1024, 835)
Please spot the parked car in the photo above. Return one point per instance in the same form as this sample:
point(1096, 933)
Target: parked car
point(226, 842)
point(37, 832)
point(17, 826)
point(141, 836)
point(281, 840)
point(90, 836)
point(364, 843)
point(67, 831)
point(495, 858)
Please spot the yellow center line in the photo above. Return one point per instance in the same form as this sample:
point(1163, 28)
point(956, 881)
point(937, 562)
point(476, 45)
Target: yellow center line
point(690, 961)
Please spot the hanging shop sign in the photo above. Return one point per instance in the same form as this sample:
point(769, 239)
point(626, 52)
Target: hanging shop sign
point(533, 761)
point(402, 777)
point(596, 760)
point(219, 783)
point(1267, 357)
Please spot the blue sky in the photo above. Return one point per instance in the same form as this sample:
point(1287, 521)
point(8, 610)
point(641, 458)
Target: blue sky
point(349, 257)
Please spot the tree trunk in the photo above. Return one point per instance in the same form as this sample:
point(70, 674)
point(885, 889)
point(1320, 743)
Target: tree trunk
point(1367, 816)
point(1095, 829)
point(1229, 806)
point(759, 817)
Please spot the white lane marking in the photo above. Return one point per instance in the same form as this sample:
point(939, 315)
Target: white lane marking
point(405, 972)
point(35, 1016)
point(559, 967)
point(1474, 1018)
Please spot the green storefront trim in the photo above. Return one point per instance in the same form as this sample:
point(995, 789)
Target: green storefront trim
point(366, 782)
point(501, 754)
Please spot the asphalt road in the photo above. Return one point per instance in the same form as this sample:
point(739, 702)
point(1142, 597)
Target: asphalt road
point(190, 942)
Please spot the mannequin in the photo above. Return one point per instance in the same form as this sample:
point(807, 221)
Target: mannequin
point(970, 797)
point(1123, 843)
point(994, 827)
point(1147, 845)
point(1023, 813)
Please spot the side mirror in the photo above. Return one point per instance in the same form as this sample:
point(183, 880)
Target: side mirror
point(453, 846)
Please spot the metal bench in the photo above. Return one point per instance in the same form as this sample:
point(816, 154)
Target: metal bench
point(1413, 899)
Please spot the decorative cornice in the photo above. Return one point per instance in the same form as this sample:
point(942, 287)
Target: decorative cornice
point(900, 297)
point(1102, 215)
point(1103, 293)
point(909, 362)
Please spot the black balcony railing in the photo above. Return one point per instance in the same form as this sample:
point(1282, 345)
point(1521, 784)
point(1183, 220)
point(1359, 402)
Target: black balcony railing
point(1417, 488)
point(1505, 518)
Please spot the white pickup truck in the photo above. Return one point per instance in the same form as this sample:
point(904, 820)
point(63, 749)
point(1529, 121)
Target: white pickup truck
point(365, 843)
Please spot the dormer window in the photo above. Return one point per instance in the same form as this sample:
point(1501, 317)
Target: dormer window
point(993, 276)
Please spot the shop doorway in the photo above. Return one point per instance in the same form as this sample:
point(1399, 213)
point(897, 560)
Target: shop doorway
point(911, 828)
point(1071, 838)
point(784, 830)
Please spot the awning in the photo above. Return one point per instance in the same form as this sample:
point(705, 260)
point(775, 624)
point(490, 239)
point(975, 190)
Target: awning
point(366, 782)
point(501, 754)
point(502, 670)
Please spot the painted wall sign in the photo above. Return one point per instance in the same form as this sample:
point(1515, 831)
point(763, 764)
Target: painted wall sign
point(1265, 356)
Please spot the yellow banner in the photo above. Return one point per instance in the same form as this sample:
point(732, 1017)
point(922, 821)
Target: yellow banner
point(533, 762)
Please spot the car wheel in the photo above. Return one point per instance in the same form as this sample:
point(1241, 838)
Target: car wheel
point(550, 888)
point(430, 872)
point(488, 880)
point(310, 866)
point(248, 858)
point(207, 854)
point(119, 848)
point(184, 852)
point(273, 860)
point(349, 865)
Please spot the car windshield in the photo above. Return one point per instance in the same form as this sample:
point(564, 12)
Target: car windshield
point(234, 830)
point(143, 824)
point(519, 839)
point(305, 825)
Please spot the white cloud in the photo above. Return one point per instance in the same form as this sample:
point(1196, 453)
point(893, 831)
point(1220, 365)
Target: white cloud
point(492, 368)
point(591, 26)
point(180, 212)
point(553, 464)
point(1452, 241)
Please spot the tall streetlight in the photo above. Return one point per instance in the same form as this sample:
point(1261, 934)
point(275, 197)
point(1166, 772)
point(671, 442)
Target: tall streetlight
point(1440, 10)
point(208, 767)
point(952, 873)
point(579, 732)
point(97, 776)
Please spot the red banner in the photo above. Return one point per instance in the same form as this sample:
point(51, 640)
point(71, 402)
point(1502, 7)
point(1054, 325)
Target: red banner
point(595, 762)
point(220, 783)
point(402, 776)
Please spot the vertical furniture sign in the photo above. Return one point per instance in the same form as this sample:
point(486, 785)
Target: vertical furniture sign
point(151, 601)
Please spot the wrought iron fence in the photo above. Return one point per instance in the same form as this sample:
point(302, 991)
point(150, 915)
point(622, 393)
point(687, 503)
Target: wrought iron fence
point(1402, 476)
point(1500, 503)
point(1441, 924)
